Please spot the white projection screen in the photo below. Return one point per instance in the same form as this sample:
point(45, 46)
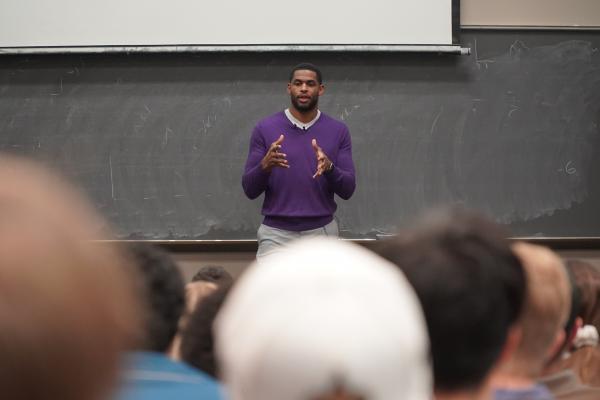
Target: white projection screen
point(65, 23)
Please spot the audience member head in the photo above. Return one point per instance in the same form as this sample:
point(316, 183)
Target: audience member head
point(583, 353)
point(205, 282)
point(321, 320)
point(471, 287)
point(66, 305)
point(574, 320)
point(215, 274)
point(197, 344)
point(161, 286)
point(587, 279)
point(545, 310)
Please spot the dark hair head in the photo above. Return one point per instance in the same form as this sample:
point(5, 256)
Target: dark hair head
point(215, 274)
point(163, 291)
point(471, 287)
point(309, 67)
point(197, 343)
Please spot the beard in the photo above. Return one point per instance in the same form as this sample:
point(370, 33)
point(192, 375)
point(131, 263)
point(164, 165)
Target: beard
point(305, 107)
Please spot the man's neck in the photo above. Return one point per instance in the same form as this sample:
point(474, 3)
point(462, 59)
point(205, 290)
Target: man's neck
point(304, 117)
point(506, 380)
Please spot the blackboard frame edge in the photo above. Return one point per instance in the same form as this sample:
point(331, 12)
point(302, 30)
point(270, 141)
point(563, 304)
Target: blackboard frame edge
point(243, 246)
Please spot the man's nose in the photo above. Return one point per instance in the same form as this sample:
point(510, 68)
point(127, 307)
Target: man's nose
point(304, 87)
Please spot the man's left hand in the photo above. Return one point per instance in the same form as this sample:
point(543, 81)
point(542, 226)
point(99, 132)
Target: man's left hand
point(324, 164)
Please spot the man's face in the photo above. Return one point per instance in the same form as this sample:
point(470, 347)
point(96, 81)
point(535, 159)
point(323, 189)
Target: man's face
point(304, 90)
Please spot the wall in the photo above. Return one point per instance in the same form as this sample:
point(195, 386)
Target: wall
point(529, 13)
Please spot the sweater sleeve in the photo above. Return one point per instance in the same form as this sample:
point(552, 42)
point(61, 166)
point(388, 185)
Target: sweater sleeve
point(342, 177)
point(255, 180)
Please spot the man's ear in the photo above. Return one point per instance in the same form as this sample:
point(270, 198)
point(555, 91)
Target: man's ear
point(289, 88)
point(511, 344)
point(557, 345)
point(321, 89)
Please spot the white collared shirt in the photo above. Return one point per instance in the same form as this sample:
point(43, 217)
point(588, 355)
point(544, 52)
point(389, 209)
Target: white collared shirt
point(300, 124)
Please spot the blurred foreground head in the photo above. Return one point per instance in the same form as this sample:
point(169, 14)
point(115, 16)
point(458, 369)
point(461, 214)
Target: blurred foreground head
point(545, 310)
point(323, 320)
point(471, 287)
point(66, 307)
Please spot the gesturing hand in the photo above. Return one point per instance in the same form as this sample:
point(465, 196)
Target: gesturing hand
point(274, 158)
point(324, 164)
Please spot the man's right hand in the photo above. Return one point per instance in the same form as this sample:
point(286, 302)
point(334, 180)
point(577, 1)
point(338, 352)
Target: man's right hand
point(274, 158)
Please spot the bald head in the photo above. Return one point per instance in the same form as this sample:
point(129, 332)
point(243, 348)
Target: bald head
point(546, 308)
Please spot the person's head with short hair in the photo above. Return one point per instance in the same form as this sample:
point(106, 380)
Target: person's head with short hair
point(215, 274)
point(323, 319)
point(471, 287)
point(197, 342)
point(162, 289)
point(305, 86)
point(305, 66)
point(545, 310)
point(587, 279)
point(203, 284)
point(66, 305)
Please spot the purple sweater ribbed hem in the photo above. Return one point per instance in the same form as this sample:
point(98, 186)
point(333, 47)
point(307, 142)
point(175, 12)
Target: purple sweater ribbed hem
point(297, 224)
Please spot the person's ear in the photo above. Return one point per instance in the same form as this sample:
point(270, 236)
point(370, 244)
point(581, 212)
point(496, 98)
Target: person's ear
point(512, 342)
point(321, 89)
point(557, 344)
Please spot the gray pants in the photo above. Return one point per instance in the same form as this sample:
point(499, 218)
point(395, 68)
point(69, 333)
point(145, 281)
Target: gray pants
point(271, 240)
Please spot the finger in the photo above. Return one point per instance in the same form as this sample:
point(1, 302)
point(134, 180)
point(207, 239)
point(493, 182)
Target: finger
point(279, 160)
point(283, 164)
point(274, 147)
point(315, 146)
point(280, 155)
point(318, 173)
point(280, 140)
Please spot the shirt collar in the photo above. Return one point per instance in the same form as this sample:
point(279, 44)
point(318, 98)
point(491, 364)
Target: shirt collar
point(300, 124)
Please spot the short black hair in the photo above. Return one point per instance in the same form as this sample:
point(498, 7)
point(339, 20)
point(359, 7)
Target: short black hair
point(471, 287)
point(309, 67)
point(215, 274)
point(162, 288)
point(197, 343)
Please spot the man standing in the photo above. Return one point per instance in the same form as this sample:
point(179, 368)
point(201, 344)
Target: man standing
point(299, 158)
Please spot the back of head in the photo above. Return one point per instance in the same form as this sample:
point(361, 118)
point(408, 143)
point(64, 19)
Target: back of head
point(320, 318)
point(215, 274)
point(545, 310)
point(66, 308)
point(587, 279)
point(471, 287)
point(161, 286)
point(197, 343)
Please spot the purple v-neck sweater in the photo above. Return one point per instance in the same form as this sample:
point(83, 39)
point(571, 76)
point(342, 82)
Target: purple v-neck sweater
point(295, 201)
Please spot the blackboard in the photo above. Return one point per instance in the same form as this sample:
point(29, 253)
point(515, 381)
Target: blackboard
point(158, 141)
